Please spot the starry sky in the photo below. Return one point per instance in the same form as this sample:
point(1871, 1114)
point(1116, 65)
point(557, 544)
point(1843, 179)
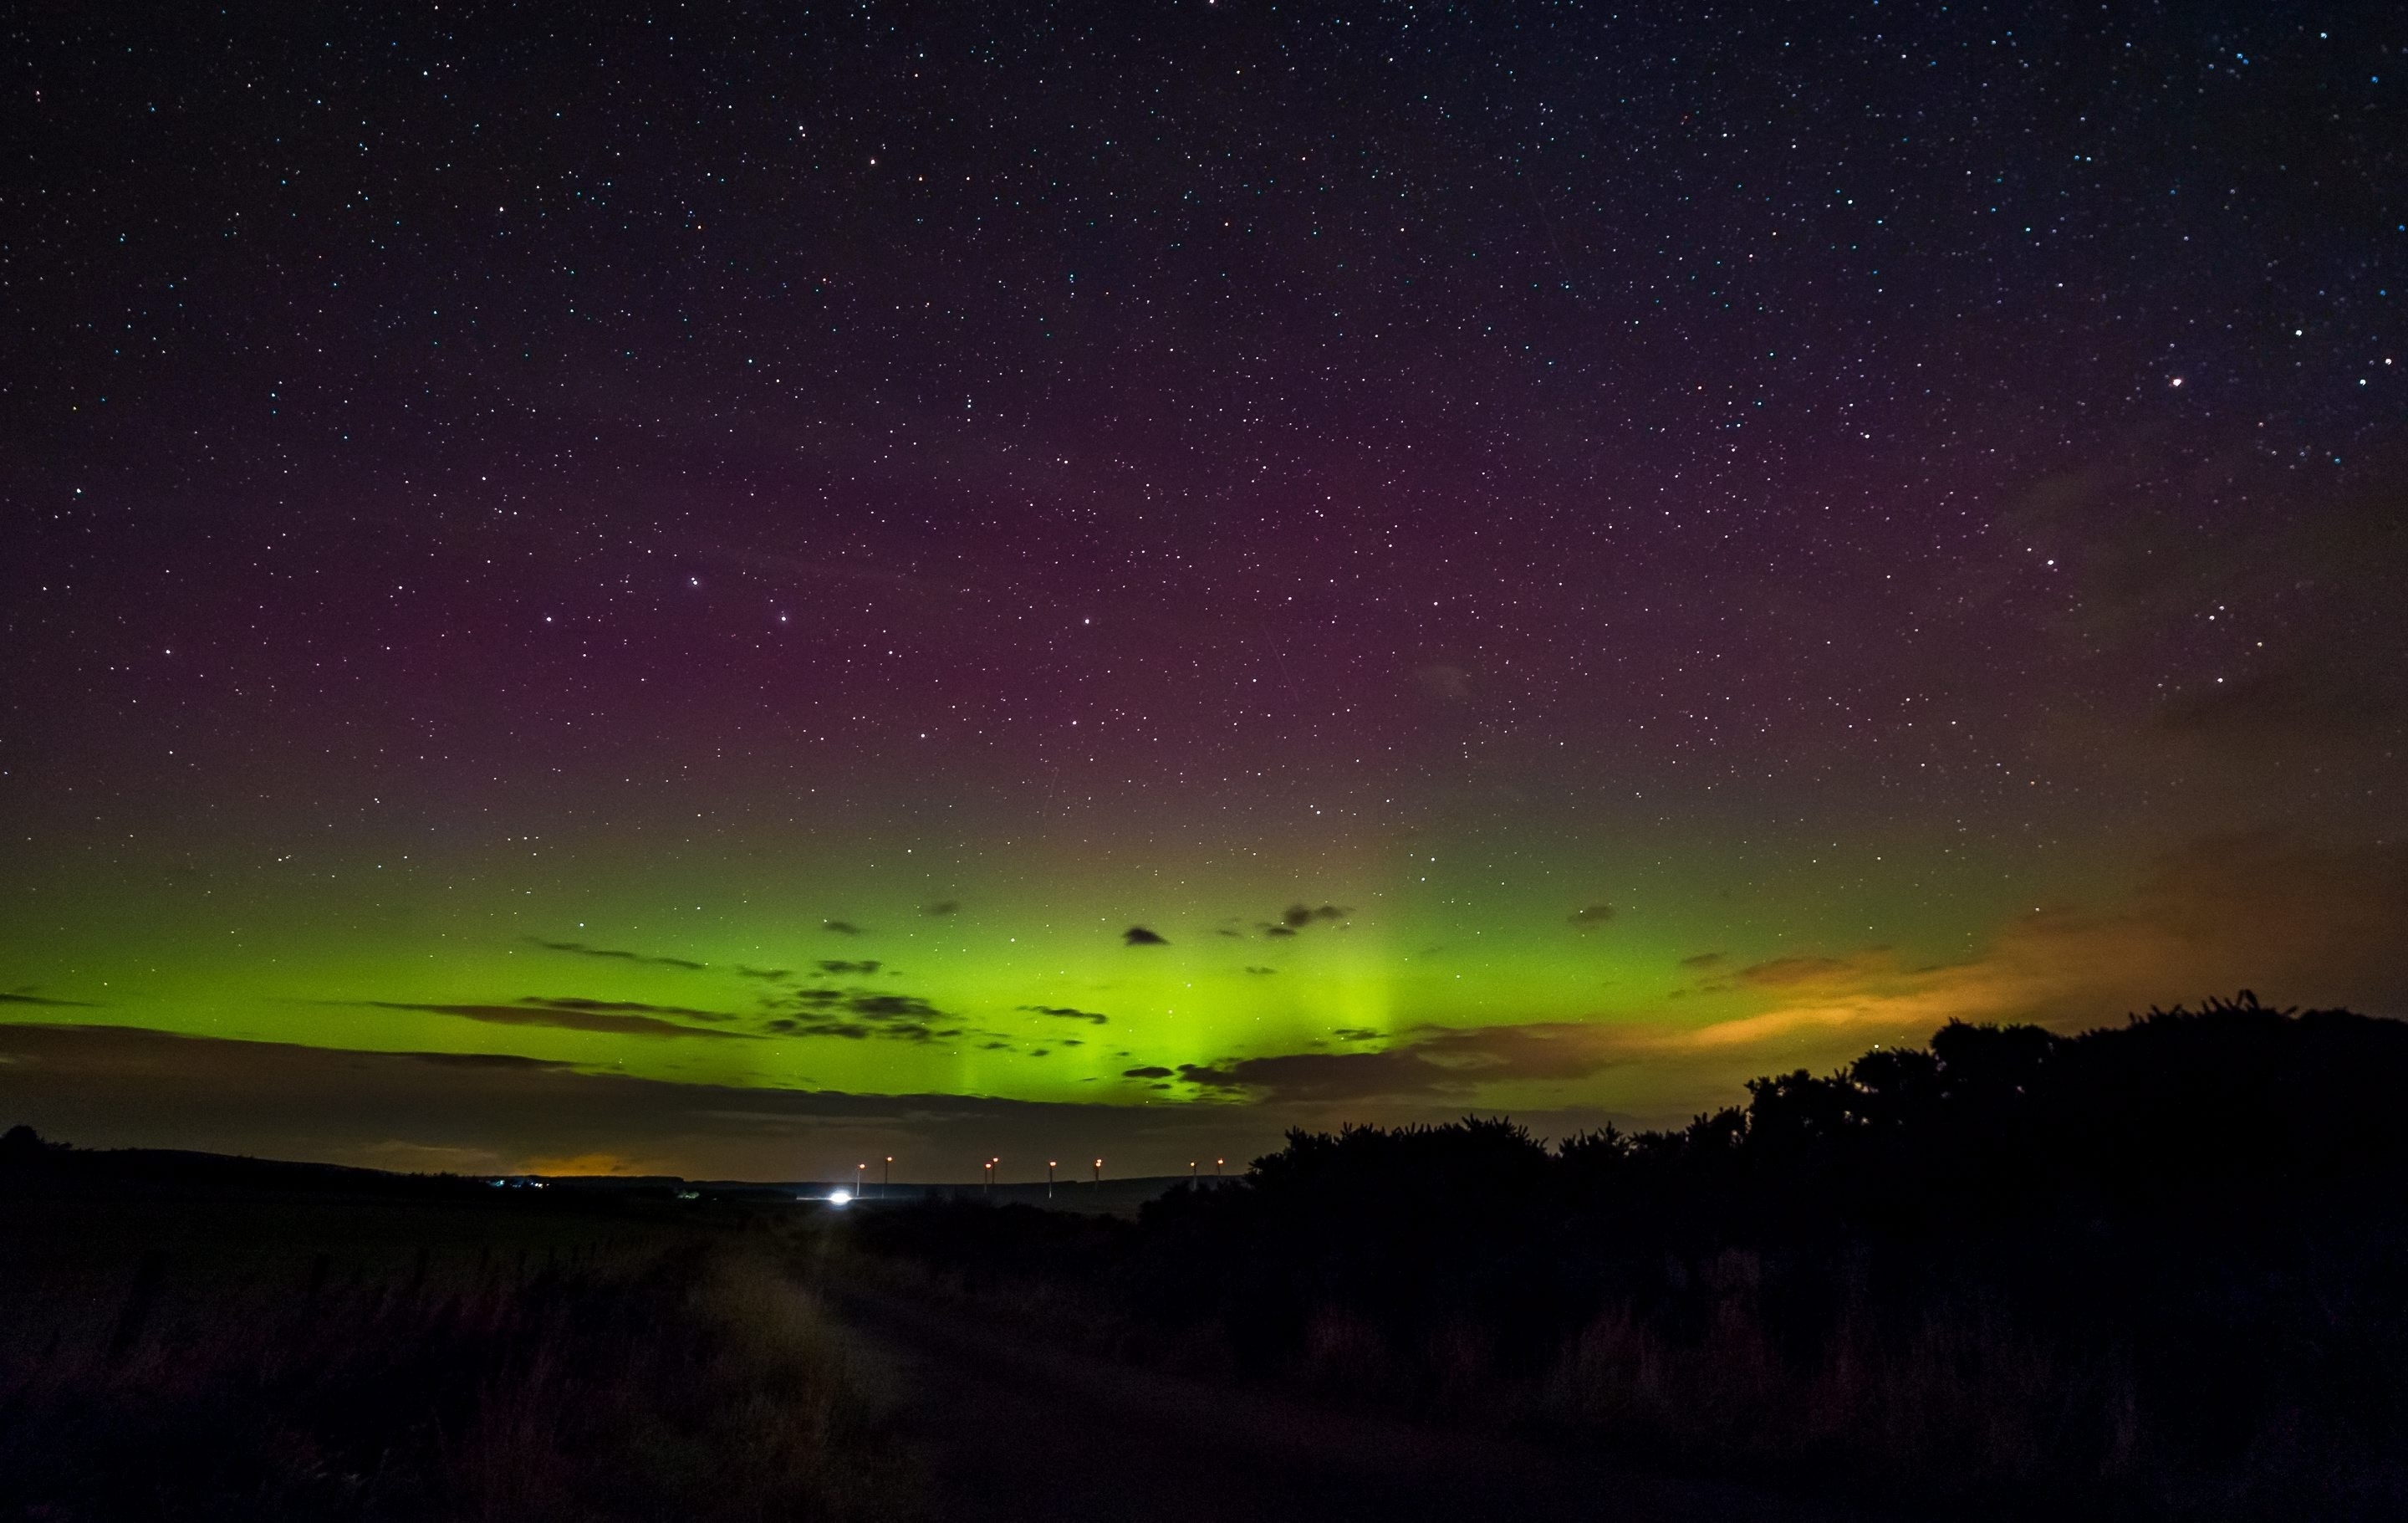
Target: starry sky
point(733, 590)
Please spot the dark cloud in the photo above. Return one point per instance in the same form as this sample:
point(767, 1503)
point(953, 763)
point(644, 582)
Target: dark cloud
point(590, 1015)
point(1140, 936)
point(614, 954)
point(787, 1026)
point(843, 927)
point(24, 998)
point(839, 969)
point(1590, 916)
point(1298, 916)
point(1433, 1062)
point(866, 1001)
point(767, 975)
point(893, 1007)
point(1281, 931)
point(880, 1027)
point(1703, 959)
point(1357, 1033)
point(859, 1014)
point(1148, 1072)
point(1262, 973)
point(1068, 1013)
point(1233, 935)
point(942, 909)
point(624, 1007)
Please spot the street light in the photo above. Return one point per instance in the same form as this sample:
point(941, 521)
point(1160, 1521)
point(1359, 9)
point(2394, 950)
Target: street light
point(1216, 1167)
point(990, 1174)
point(860, 1175)
point(1049, 1179)
point(889, 1186)
point(1099, 1170)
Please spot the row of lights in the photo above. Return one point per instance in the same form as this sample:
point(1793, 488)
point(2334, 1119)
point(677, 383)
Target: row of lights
point(887, 1183)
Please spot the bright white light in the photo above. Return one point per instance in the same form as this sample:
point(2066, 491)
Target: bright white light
point(840, 1198)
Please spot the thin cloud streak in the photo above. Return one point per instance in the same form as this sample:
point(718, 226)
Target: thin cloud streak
point(583, 1015)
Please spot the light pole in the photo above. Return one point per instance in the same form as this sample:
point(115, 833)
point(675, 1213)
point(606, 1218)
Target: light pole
point(883, 1190)
point(1216, 1167)
point(1099, 1170)
point(1049, 1179)
point(860, 1175)
point(1191, 1170)
point(990, 1174)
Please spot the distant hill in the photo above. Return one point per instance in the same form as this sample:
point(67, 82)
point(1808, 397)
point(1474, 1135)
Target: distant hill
point(25, 1157)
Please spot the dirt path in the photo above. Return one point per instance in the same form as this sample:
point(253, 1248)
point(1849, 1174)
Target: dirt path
point(1012, 1429)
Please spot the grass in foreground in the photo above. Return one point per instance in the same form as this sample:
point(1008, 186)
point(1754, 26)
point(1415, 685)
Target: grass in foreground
point(231, 1354)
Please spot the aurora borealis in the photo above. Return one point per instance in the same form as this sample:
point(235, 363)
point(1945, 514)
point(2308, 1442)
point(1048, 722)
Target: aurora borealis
point(669, 591)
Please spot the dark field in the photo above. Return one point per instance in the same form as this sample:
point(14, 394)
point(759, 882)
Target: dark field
point(188, 1338)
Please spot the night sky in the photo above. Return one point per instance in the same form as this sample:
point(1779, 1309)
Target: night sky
point(731, 591)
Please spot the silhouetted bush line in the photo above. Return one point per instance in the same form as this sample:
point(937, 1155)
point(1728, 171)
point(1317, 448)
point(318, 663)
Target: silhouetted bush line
point(331, 1354)
point(2159, 1268)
